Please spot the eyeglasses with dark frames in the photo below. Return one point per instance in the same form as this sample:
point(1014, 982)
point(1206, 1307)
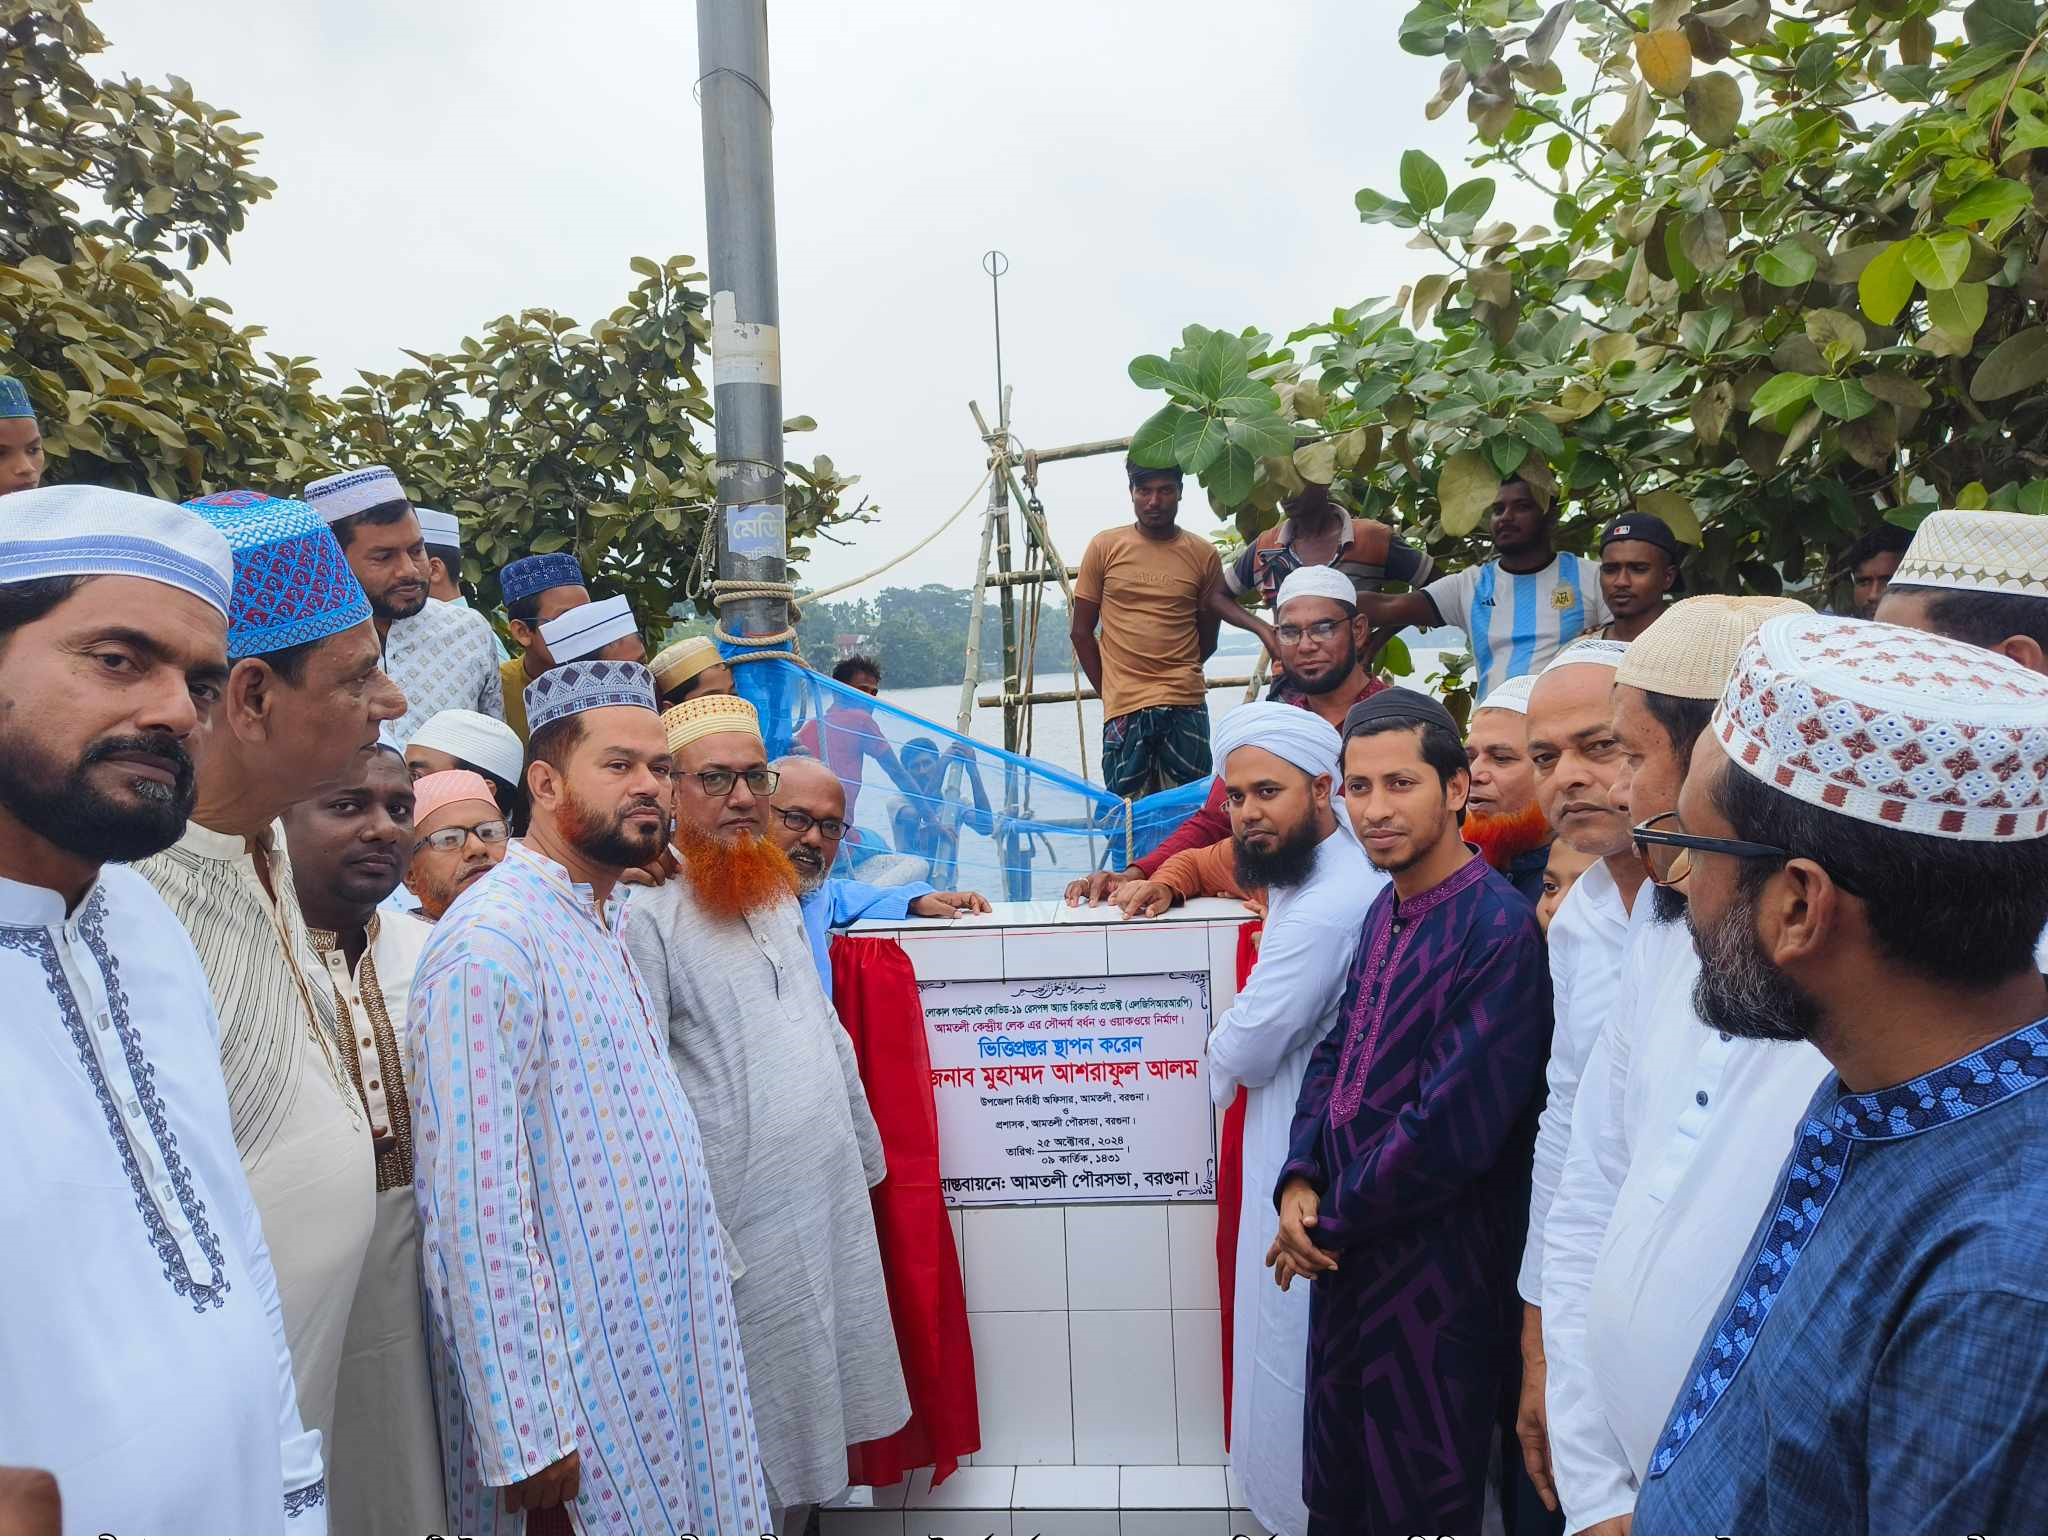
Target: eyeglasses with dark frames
point(1676, 868)
point(799, 822)
point(719, 783)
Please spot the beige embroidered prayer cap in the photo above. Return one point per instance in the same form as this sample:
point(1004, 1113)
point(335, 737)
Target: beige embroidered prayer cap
point(1691, 649)
point(682, 661)
point(709, 714)
point(1998, 553)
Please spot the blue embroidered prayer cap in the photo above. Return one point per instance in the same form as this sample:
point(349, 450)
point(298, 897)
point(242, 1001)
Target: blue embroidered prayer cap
point(531, 575)
point(292, 584)
point(14, 400)
point(563, 692)
point(82, 531)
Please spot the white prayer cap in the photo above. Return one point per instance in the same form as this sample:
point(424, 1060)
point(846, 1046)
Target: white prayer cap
point(1589, 649)
point(1998, 553)
point(348, 494)
point(440, 528)
point(1510, 695)
point(1900, 728)
point(1315, 583)
point(475, 739)
point(1690, 650)
point(579, 632)
point(83, 531)
point(1294, 733)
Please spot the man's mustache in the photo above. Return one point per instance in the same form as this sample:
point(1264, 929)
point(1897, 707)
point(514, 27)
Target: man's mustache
point(151, 745)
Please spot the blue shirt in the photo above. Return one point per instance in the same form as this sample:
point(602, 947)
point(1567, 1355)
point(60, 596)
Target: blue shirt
point(840, 901)
point(1881, 1364)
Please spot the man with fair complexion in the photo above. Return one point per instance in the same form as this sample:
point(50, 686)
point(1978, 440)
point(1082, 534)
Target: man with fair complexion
point(1400, 1200)
point(771, 1075)
point(1322, 641)
point(527, 1012)
point(1577, 761)
point(1147, 585)
point(1504, 818)
point(348, 849)
point(459, 833)
point(806, 818)
point(148, 1377)
point(305, 695)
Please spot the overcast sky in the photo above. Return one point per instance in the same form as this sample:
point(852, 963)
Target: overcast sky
point(1143, 164)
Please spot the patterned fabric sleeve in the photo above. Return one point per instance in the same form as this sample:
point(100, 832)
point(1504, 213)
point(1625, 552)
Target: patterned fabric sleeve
point(490, 700)
point(1957, 1419)
point(477, 1036)
point(1312, 1106)
point(1480, 1073)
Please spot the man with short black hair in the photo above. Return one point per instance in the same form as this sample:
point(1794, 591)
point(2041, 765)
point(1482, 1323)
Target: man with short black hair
point(349, 847)
point(1410, 1150)
point(1147, 585)
point(1870, 563)
point(304, 696)
point(1980, 577)
point(536, 589)
point(441, 654)
point(1315, 530)
point(1639, 559)
point(847, 735)
point(148, 1375)
point(1865, 836)
point(1517, 610)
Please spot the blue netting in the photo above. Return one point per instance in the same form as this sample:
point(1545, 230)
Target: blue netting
point(931, 805)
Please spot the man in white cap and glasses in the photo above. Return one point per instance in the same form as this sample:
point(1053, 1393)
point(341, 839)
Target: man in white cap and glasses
point(560, 1172)
point(440, 654)
point(147, 1364)
point(1671, 1138)
point(1278, 766)
point(1577, 761)
point(1864, 842)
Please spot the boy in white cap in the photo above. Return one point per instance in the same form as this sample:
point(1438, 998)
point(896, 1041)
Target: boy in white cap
point(147, 1365)
point(1864, 834)
point(603, 630)
point(441, 654)
point(1980, 577)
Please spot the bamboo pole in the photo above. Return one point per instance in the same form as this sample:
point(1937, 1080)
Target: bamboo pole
point(1051, 697)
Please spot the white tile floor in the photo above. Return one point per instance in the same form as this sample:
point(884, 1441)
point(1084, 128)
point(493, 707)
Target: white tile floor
point(1048, 1500)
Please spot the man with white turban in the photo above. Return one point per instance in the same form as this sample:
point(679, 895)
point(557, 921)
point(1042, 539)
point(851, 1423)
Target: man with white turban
point(1278, 767)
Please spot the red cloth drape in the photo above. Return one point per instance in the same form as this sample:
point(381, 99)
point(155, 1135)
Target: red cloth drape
point(876, 993)
point(1230, 1182)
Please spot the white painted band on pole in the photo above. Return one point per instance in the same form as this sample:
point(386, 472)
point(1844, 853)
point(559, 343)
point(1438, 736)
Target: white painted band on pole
point(742, 352)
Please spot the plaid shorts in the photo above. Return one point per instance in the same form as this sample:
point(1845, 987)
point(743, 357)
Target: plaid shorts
point(1155, 749)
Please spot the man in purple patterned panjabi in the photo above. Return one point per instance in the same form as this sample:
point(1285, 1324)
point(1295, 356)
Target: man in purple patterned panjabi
point(1405, 1193)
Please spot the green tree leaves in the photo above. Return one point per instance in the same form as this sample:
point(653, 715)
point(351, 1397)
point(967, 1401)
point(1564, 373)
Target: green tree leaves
point(1422, 181)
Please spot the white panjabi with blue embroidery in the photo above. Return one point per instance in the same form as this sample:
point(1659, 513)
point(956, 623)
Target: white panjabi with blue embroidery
point(145, 1350)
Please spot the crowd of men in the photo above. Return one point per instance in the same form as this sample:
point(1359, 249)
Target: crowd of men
point(431, 1054)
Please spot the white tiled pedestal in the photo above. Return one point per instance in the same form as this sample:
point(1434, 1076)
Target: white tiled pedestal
point(1097, 1345)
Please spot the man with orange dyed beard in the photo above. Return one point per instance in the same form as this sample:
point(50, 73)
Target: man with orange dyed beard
point(1503, 818)
point(788, 1137)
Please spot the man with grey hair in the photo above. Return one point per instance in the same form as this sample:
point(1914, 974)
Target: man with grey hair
point(807, 818)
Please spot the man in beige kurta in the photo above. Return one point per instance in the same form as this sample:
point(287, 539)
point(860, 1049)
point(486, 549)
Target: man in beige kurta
point(790, 1142)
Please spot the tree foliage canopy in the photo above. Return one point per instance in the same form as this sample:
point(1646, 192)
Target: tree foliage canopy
point(539, 433)
point(1793, 281)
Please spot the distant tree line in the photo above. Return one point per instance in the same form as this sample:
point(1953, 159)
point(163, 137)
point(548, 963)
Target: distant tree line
point(920, 635)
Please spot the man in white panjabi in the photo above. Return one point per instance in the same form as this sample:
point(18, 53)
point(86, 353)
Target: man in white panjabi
point(788, 1137)
point(146, 1365)
point(349, 847)
point(1278, 765)
point(305, 692)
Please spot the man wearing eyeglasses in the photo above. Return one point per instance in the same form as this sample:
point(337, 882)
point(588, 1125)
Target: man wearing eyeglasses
point(789, 1139)
point(807, 818)
point(348, 850)
point(458, 835)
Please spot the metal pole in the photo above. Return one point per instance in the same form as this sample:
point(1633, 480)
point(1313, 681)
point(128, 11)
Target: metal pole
point(746, 348)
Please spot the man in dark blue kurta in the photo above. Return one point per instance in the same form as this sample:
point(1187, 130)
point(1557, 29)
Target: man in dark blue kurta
point(1866, 824)
point(1405, 1192)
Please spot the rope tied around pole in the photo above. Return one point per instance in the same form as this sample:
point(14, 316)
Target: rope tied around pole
point(728, 591)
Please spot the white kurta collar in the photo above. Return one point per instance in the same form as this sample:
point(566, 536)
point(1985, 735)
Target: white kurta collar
point(23, 903)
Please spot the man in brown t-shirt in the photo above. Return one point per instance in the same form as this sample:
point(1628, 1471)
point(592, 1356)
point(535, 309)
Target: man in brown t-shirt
point(1145, 584)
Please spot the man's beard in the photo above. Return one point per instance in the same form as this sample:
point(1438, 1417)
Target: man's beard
point(1501, 837)
point(603, 840)
point(1327, 679)
point(1667, 905)
point(1286, 865)
point(1739, 991)
point(808, 878)
point(731, 880)
point(69, 811)
point(386, 609)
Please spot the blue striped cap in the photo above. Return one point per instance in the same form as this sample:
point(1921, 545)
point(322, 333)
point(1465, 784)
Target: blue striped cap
point(562, 692)
point(531, 575)
point(14, 400)
point(292, 584)
point(82, 531)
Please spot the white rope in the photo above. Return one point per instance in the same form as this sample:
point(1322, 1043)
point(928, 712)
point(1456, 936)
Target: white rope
point(839, 588)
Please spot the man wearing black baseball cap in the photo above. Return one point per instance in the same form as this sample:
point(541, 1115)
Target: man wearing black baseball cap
point(1638, 572)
